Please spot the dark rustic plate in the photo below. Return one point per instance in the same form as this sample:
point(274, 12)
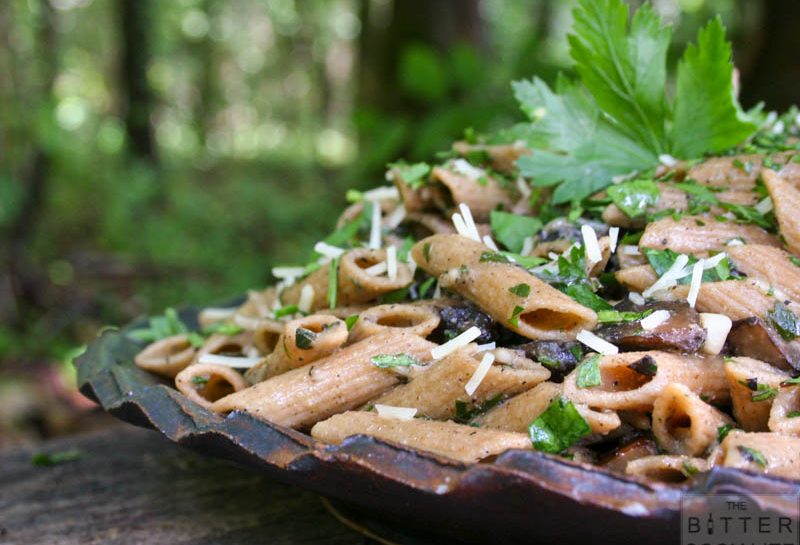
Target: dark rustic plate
point(522, 496)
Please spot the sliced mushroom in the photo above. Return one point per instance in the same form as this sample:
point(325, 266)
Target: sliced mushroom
point(682, 332)
point(634, 449)
point(754, 338)
point(558, 356)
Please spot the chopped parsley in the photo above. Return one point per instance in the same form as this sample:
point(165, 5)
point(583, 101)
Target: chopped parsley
point(722, 432)
point(493, 257)
point(425, 287)
point(749, 214)
point(350, 321)
point(525, 261)
point(45, 459)
point(559, 427)
point(792, 414)
point(333, 282)
point(465, 413)
point(199, 380)
point(223, 328)
point(386, 361)
point(514, 319)
point(795, 261)
point(589, 372)
point(521, 290)
point(752, 455)
point(784, 321)
point(511, 230)
point(634, 197)
point(688, 469)
point(791, 381)
point(196, 339)
point(287, 310)
point(415, 175)
point(662, 260)
point(760, 391)
point(582, 294)
point(304, 338)
point(160, 327)
point(616, 316)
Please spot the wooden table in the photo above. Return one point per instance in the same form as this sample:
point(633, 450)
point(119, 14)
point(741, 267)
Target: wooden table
point(132, 486)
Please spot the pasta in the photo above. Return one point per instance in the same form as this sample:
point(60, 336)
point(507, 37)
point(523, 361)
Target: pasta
point(652, 328)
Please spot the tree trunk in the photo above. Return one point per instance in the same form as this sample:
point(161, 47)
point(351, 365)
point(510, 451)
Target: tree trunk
point(438, 23)
point(136, 94)
point(776, 67)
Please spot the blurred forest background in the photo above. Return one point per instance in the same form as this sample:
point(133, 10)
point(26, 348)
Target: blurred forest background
point(160, 153)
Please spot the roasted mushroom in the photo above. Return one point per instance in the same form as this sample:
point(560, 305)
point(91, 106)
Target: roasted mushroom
point(754, 338)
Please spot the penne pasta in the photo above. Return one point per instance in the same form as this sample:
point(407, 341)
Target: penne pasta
point(785, 201)
point(463, 443)
point(784, 415)
point(683, 423)
point(420, 319)
point(205, 383)
point(701, 234)
point(668, 468)
point(339, 382)
point(436, 392)
point(771, 265)
point(480, 191)
point(771, 453)
point(753, 385)
point(167, 357)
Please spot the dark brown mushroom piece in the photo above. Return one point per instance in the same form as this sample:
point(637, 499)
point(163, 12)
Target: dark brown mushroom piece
point(682, 332)
point(559, 357)
point(754, 338)
point(633, 449)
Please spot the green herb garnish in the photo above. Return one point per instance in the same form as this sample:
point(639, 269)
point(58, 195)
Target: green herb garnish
point(558, 427)
point(493, 257)
point(752, 455)
point(287, 310)
point(414, 175)
point(520, 290)
point(199, 380)
point(617, 317)
point(722, 432)
point(350, 321)
point(465, 413)
point(160, 327)
point(385, 361)
point(514, 319)
point(333, 282)
point(586, 297)
point(784, 321)
point(46, 459)
point(589, 372)
point(511, 230)
point(223, 328)
point(644, 366)
point(634, 197)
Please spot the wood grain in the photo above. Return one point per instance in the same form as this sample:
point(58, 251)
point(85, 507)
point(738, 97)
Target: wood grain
point(132, 486)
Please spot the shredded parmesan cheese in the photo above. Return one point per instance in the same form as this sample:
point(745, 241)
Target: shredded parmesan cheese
point(375, 227)
point(246, 322)
point(712, 262)
point(487, 240)
point(654, 320)
point(472, 229)
point(412, 265)
point(764, 205)
point(437, 291)
point(524, 188)
point(613, 236)
point(228, 361)
point(455, 343)
point(717, 327)
point(328, 251)
point(396, 217)
point(670, 277)
point(527, 246)
point(306, 298)
point(630, 250)
point(399, 413)
point(377, 269)
point(485, 347)
point(462, 166)
point(480, 373)
point(216, 314)
point(287, 272)
point(601, 346)
point(593, 253)
point(697, 280)
point(391, 262)
point(636, 298)
point(667, 160)
point(461, 227)
point(382, 193)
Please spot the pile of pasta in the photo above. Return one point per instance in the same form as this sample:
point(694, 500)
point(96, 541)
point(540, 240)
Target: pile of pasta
point(455, 313)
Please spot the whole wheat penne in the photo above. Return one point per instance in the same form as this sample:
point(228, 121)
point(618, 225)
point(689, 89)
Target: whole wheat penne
point(740, 172)
point(459, 442)
point(438, 254)
point(785, 202)
point(670, 468)
point(637, 278)
point(424, 225)
point(303, 341)
point(753, 386)
point(772, 453)
point(205, 383)
point(168, 356)
point(770, 264)
point(227, 345)
point(544, 313)
point(502, 156)
point(266, 335)
point(784, 416)
point(414, 200)
point(482, 196)
point(737, 299)
point(435, 392)
point(633, 380)
point(355, 285)
point(341, 381)
point(420, 319)
point(259, 304)
point(517, 413)
point(669, 198)
point(701, 234)
point(683, 423)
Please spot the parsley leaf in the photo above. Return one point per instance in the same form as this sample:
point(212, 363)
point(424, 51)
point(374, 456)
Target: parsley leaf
point(414, 175)
point(722, 432)
point(43, 459)
point(586, 297)
point(521, 290)
point(304, 338)
point(589, 372)
point(752, 455)
point(385, 361)
point(512, 229)
point(617, 317)
point(558, 427)
point(784, 321)
point(350, 321)
point(464, 413)
point(634, 197)
point(707, 117)
point(333, 282)
point(160, 327)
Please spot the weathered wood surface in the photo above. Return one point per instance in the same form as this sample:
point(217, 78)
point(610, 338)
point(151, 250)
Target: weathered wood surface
point(133, 487)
